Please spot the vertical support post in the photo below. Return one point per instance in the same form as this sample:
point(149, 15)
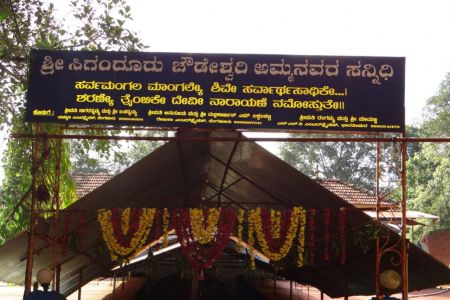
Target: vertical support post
point(290, 289)
point(275, 285)
point(377, 195)
point(404, 249)
point(80, 282)
point(31, 237)
point(56, 204)
point(58, 277)
point(321, 295)
point(114, 287)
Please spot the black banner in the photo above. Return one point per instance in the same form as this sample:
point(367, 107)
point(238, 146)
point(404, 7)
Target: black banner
point(285, 92)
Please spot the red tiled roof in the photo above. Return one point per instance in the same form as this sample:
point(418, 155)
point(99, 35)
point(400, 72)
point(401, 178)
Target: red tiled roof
point(87, 182)
point(354, 195)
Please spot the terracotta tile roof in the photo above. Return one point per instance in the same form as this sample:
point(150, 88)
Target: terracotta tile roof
point(359, 197)
point(87, 182)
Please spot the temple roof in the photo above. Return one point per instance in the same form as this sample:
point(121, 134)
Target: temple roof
point(216, 169)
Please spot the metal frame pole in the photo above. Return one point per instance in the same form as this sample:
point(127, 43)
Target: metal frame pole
point(378, 256)
point(404, 248)
point(80, 282)
point(31, 237)
point(56, 206)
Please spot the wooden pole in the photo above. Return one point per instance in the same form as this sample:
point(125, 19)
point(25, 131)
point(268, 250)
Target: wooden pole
point(58, 277)
point(31, 237)
point(56, 218)
point(274, 285)
point(403, 233)
point(290, 289)
point(80, 282)
point(114, 286)
point(377, 195)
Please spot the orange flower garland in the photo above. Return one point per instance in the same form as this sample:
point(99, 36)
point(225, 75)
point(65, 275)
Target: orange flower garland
point(125, 225)
point(120, 244)
point(166, 221)
point(275, 220)
point(251, 239)
point(202, 256)
point(301, 238)
point(266, 241)
point(240, 228)
point(201, 234)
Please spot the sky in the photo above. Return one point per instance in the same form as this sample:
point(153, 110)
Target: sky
point(418, 30)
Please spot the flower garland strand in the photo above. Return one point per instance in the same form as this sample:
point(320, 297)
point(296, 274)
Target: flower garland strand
point(312, 232)
point(301, 239)
point(166, 224)
point(240, 229)
point(125, 224)
point(204, 234)
point(275, 249)
point(123, 246)
point(251, 240)
point(275, 220)
point(202, 256)
point(326, 234)
point(342, 220)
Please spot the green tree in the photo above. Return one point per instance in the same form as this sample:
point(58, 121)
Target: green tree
point(429, 167)
point(94, 157)
point(27, 24)
point(349, 162)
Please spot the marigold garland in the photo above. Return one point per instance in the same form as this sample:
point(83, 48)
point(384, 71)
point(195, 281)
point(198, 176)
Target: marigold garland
point(275, 220)
point(202, 256)
point(240, 229)
point(204, 234)
point(125, 225)
point(312, 232)
point(274, 249)
point(166, 223)
point(301, 239)
point(139, 222)
point(251, 240)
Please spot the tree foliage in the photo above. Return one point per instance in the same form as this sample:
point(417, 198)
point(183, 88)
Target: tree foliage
point(429, 167)
point(27, 24)
point(350, 162)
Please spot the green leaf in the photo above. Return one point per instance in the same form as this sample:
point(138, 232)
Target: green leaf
point(3, 14)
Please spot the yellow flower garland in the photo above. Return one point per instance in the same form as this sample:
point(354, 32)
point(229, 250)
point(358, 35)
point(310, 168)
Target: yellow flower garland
point(240, 228)
point(166, 220)
point(256, 222)
point(201, 234)
point(139, 237)
point(251, 240)
point(301, 239)
point(125, 224)
point(275, 220)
